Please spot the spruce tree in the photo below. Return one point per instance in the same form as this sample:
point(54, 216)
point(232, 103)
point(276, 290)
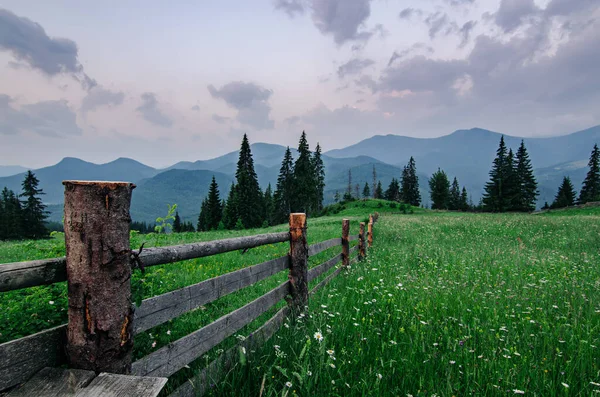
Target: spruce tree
point(526, 194)
point(269, 206)
point(454, 203)
point(203, 217)
point(33, 210)
point(410, 184)
point(284, 189)
point(304, 178)
point(379, 190)
point(566, 195)
point(464, 200)
point(393, 191)
point(213, 206)
point(336, 197)
point(374, 186)
point(230, 214)
point(319, 179)
point(512, 186)
point(249, 195)
point(357, 191)
point(366, 191)
point(177, 227)
point(439, 189)
point(495, 198)
point(590, 191)
point(348, 193)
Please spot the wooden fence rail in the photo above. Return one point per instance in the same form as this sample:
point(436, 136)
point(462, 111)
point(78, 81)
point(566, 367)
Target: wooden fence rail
point(22, 358)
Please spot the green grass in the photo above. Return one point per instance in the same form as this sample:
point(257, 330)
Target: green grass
point(593, 211)
point(445, 304)
point(448, 305)
point(31, 310)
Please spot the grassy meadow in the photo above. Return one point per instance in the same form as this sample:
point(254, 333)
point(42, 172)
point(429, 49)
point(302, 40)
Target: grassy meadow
point(446, 304)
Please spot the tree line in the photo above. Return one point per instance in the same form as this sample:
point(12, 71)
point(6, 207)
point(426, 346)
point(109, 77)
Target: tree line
point(299, 188)
point(590, 190)
point(405, 189)
point(23, 216)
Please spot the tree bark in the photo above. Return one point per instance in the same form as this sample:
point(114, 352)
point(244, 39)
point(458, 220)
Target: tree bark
point(99, 333)
point(298, 262)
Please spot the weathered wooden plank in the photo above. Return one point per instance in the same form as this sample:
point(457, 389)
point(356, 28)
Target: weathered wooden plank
point(215, 371)
point(323, 245)
point(113, 385)
point(326, 280)
point(345, 242)
point(353, 238)
point(176, 253)
point(170, 359)
point(29, 274)
point(323, 267)
point(54, 382)
point(298, 263)
point(162, 308)
point(48, 271)
point(20, 359)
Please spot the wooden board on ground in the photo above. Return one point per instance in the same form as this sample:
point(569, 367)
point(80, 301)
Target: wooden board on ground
point(60, 382)
point(113, 385)
point(50, 382)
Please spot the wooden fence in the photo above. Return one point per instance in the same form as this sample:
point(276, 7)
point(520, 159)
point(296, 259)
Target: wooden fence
point(103, 321)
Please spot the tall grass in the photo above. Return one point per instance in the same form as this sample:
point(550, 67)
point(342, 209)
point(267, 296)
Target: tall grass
point(447, 305)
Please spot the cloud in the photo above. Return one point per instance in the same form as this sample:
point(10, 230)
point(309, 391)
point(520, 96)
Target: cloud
point(220, 119)
point(151, 112)
point(439, 22)
point(341, 18)
point(99, 96)
point(46, 118)
point(407, 13)
point(413, 49)
point(514, 82)
point(250, 100)
point(512, 13)
point(458, 3)
point(465, 32)
point(290, 7)
point(195, 108)
point(353, 66)
point(366, 82)
point(28, 42)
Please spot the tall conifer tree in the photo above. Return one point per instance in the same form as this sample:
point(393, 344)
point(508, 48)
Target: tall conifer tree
point(454, 198)
point(269, 206)
point(439, 188)
point(393, 191)
point(566, 195)
point(284, 189)
point(319, 177)
point(410, 184)
point(177, 227)
point(526, 195)
point(590, 190)
point(464, 200)
point(33, 210)
point(230, 214)
point(379, 190)
point(304, 178)
point(366, 191)
point(495, 198)
point(213, 206)
point(249, 195)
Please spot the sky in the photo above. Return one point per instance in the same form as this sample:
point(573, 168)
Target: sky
point(163, 82)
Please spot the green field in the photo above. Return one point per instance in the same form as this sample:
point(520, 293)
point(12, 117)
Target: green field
point(446, 304)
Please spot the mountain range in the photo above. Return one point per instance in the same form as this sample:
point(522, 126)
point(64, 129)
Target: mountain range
point(466, 154)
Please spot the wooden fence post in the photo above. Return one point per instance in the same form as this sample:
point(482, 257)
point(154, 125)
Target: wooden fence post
point(99, 332)
point(345, 242)
point(298, 262)
point(361, 242)
point(370, 231)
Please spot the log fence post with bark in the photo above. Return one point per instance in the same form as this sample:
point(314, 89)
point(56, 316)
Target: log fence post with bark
point(99, 332)
point(370, 231)
point(361, 242)
point(298, 275)
point(345, 242)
